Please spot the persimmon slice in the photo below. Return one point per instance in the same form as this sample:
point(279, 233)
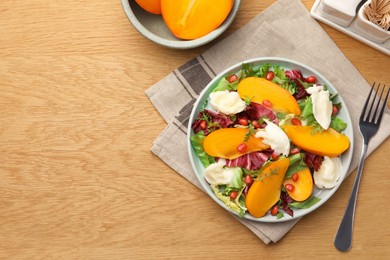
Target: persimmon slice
point(303, 185)
point(324, 143)
point(259, 89)
point(224, 143)
point(265, 190)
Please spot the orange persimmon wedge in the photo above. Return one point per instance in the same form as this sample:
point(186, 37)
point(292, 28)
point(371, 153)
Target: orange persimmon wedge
point(151, 6)
point(303, 186)
point(265, 190)
point(223, 143)
point(259, 89)
point(192, 19)
point(325, 143)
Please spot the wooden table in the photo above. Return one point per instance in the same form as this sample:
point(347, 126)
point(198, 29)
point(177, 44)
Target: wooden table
point(78, 179)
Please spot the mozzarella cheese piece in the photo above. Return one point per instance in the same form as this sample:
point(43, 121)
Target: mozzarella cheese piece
point(322, 106)
point(216, 174)
point(226, 102)
point(328, 174)
point(275, 137)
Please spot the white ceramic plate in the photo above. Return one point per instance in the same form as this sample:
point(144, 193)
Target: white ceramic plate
point(153, 27)
point(346, 157)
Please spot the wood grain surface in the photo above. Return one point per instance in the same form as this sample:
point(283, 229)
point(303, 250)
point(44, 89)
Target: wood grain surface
point(78, 180)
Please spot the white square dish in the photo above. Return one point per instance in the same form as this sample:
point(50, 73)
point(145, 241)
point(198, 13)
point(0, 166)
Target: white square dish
point(368, 29)
point(317, 13)
point(340, 12)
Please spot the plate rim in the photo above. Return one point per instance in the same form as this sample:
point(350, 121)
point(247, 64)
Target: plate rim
point(349, 153)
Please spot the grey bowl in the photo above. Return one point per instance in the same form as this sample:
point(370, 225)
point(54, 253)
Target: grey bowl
point(154, 28)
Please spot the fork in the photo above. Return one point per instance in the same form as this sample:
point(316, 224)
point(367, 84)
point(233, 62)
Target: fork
point(368, 126)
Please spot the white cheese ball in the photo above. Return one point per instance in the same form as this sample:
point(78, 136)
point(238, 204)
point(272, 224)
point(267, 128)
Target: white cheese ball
point(275, 137)
point(322, 106)
point(215, 174)
point(328, 174)
point(228, 103)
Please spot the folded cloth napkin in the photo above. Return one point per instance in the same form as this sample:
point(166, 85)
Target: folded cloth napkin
point(285, 29)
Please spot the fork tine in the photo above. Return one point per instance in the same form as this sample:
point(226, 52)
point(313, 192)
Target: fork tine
point(384, 105)
point(373, 118)
point(369, 118)
point(363, 114)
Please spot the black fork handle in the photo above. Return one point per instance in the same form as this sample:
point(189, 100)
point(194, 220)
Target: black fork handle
point(343, 240)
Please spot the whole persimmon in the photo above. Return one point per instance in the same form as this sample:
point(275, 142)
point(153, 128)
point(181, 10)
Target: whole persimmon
point(151, 6)
point(192, 19)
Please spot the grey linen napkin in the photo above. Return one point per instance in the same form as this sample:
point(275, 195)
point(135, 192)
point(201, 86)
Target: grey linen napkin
point(285, 29)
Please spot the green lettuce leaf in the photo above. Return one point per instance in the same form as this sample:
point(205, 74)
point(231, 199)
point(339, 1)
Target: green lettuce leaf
point(338, 124)
point(307, 108)
point(281, 79)
point(197, 144)
point(224, 84)
point(248, 70)
point(231, 204)
point(237, 182)
point(296, 164)
point(307, 113)
point(305, 204)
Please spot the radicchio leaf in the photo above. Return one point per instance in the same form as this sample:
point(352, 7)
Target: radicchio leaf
point(297, 77)
point(294, 74)
point(285, 202)
point(313, 161)
point(214, 121)
point(250, 161)
point(256, 111)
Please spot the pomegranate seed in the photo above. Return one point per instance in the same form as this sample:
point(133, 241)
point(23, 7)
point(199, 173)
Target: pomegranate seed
point(296, 121)
point(289, 187)
point(335, 110)
point(295, 177)
point(232, 78)
point(248, 179)
point(233, 194)
point(241, 148)
point(270, 75)
point(295, 150)
point(243, 121)
point(203, 124)
point(256, 124)
point(267, 103)
point(274, 210)
point(311, 79)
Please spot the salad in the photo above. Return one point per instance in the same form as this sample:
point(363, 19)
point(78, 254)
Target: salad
point(267, 137)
